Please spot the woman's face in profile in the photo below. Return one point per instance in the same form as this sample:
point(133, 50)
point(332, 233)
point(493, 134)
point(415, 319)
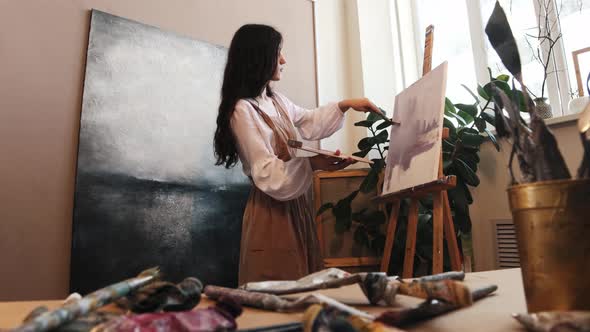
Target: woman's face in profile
point(280, 63)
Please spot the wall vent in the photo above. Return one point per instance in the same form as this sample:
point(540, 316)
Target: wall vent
point(505, 245)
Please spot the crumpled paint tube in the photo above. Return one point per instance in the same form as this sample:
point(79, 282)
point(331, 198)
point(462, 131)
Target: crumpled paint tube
point(451, 275)
point(221, 317)
point(326, 318)
point(328, 278)
point(164, 296)
point(450, 291)
point(556, 321)
point(428, 309)
point(70, 311)
point(275, 303)
point(335, 278)
point(377, 287)
point(253, 299)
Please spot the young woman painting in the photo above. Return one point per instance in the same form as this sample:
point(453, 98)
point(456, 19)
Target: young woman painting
point(279, 240)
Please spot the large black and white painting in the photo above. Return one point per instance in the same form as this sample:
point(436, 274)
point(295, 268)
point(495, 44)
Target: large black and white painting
point(147, 191)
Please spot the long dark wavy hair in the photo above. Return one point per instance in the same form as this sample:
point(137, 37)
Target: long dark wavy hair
point(251, 62)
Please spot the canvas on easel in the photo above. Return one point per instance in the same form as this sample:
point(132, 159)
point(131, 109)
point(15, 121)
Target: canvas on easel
point(414, 152)
point(416, 146)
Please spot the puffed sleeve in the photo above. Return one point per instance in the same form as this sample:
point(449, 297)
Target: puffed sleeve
point(279, 179)
point(316, 123)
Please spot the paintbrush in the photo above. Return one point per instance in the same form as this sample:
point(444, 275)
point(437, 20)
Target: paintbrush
point(584, 128)
point(383, 115)
point(299, 145)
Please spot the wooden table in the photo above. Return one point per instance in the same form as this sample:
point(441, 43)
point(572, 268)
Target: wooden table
point(489, 314)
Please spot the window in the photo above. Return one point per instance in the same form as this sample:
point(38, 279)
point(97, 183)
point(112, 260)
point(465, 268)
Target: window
point(460, 38)
point(574, 20)
point(450, 42)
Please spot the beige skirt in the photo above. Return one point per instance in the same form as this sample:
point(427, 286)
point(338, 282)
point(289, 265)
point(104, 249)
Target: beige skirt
point(279, 239)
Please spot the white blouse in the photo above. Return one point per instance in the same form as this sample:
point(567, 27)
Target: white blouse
point(281, 180)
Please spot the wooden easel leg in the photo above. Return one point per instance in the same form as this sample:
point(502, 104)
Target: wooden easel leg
point(437, 233)
point(390, 236)
point(450, 235)
point(411, 239)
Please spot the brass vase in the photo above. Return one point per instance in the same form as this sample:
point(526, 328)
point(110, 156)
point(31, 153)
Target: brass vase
point(552, 222)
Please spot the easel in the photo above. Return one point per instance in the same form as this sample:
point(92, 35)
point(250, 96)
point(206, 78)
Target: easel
point(441, 212)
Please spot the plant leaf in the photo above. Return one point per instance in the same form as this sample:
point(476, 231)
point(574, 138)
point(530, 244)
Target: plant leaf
point(351, 196)
point(364, 123)
point(471, 140)
point(366, 143)
point(369, 182)
point(503, 77)
point(480, 123)
point(381, 137)
point(469, 109)
point(448, 146)
point(456, 116)
point(482, 92)
point(447, 164)
point(471, 93)
point(360, 237)
point(468, 130)
point(520, 100)
point(449, 107)
point(342, 225)
point(489, 118)
point(378, 244)
point(501, 37)
point(373, 117)
point(384, 125)
point(460, 197)
point(466, 173)
point(371, 219)
point(470, 160)
point(465, 116)
point(489, 87)
point(449, 124)
point(362, 153)
point(378, 165)
point(343, 213)
point(493, 139)
point(342, 208)
point(324, 208)
point(359, 215)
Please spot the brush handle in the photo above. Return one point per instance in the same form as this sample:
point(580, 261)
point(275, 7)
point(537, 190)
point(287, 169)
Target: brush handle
point(332, 154)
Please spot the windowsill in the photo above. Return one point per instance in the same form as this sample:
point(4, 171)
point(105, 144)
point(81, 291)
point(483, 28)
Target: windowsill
point(551, 122)
point(562, 119)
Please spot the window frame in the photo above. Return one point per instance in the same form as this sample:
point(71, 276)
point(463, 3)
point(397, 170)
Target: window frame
point(558, 83)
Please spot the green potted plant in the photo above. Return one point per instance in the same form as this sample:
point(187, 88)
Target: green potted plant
point(550, 209)
point(468, 126)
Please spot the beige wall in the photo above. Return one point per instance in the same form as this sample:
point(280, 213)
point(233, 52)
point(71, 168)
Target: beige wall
point(42, 53)
point(490, 198)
